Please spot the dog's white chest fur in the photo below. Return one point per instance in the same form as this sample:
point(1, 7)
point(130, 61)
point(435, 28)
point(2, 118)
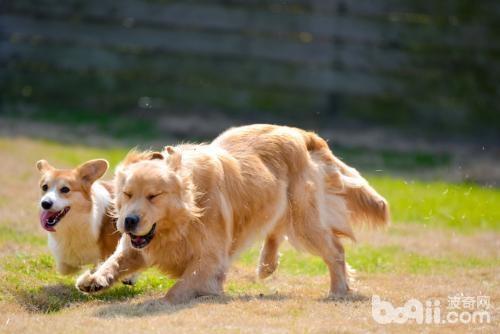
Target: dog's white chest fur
point(74, 243)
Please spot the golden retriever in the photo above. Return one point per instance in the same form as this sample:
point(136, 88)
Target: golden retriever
point(192, 208)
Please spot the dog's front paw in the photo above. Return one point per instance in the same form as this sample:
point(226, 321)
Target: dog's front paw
point(90, 283)
point(341, 292)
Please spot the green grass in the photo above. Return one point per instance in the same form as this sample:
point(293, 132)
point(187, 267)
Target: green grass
point(392, 259)
point(33, 282)
point(11, 235)
point(463, 207)
point(73, 155)
point(368, 259)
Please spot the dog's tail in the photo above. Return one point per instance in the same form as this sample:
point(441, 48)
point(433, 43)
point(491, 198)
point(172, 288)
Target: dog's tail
point(363, 202)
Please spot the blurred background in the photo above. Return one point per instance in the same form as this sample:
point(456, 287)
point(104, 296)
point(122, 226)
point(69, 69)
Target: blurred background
point(395, 84)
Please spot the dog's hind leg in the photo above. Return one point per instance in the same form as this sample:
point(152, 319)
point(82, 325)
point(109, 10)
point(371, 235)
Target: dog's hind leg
point(321, 243)
point(309, 232)
point(269, 255)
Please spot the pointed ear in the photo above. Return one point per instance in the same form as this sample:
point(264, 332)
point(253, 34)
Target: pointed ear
point(174, 157)
point(92, 170)
point(43, 166)
point(155, 155)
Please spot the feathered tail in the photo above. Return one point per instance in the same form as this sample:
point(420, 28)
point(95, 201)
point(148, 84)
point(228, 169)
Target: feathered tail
point(365, 205)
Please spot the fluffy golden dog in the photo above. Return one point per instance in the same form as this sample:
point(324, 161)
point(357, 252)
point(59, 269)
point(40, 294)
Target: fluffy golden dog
point(191, 209)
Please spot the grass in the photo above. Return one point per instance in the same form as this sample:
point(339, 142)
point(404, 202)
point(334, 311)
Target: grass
point(32, 281)
point(463, 207)
point(29, 283)
point(11, 235)
point(368, 259)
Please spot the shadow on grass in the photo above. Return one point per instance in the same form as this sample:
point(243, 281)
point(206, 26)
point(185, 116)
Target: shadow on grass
point(158, 306)
point(53, 298)
point(352, 297)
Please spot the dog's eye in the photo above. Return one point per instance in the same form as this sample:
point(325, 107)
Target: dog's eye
point(151, 197)
point(127, 194)
point(45, 187)
point(64, 190)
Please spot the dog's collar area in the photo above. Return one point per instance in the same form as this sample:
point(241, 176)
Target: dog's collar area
point(141, 241)
point(49, 219)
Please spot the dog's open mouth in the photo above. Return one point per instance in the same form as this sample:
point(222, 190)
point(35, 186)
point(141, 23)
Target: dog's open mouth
point(49, 219)
point(141, 241)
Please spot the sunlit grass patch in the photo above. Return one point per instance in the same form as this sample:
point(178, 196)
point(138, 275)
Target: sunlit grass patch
point(11, 235)
point(60, 155)
point(241, 287)
point(368, 259)
point(33, 282)
point(74, 155)
point(394, 259)
point(464, 207)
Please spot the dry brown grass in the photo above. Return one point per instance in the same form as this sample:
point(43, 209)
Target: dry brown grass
point(293, 307)
point(434, 241)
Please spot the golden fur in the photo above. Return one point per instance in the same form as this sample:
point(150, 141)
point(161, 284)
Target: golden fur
point(210, 201)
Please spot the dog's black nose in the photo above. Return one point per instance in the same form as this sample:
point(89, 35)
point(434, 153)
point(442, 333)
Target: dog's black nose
point(131, 222)
point(47, 204)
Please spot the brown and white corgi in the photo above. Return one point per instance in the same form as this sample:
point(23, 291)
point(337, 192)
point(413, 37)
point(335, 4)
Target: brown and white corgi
point(75, 210)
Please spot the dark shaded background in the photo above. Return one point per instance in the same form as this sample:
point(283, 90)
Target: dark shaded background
point(191, 68)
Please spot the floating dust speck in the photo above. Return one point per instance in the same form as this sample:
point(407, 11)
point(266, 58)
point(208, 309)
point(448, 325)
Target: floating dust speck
point(145, 102)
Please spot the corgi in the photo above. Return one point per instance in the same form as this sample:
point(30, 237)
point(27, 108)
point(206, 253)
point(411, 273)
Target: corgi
point(75, 210)
point(191, 209)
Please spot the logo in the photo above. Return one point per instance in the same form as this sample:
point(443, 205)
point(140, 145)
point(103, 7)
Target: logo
point(460, 309)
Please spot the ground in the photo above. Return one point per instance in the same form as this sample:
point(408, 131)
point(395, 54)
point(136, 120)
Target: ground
point(444, 242)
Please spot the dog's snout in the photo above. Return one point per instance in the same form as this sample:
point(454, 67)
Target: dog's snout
point(46, 204)
point(131, 222)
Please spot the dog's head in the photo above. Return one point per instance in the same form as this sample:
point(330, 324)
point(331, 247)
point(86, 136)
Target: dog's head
point(66, 189)
point(153, 196)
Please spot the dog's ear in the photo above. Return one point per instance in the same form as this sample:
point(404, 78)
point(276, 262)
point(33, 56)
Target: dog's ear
point(155, 155)
point(174, 157)
point(92, 170)
point(43, 166)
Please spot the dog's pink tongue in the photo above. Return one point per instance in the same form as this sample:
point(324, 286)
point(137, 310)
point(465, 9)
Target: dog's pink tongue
point(44, 219)
point(138, 239)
